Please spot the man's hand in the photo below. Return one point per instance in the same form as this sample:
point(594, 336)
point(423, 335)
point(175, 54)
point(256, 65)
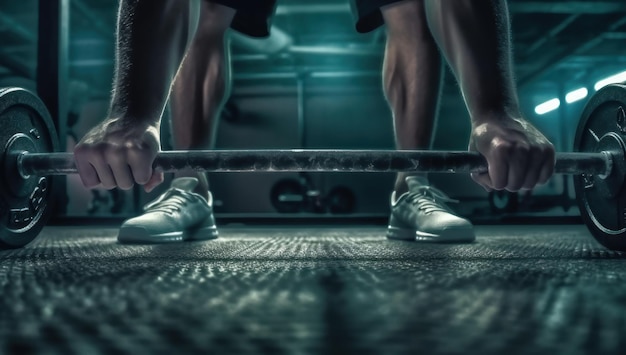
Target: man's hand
point(518, 155)
point(119, 153)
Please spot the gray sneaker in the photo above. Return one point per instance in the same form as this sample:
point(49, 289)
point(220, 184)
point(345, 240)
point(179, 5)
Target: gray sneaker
point(177, 215)
point(422, 215)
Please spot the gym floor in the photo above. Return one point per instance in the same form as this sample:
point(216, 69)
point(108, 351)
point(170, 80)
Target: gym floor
point(544, 289)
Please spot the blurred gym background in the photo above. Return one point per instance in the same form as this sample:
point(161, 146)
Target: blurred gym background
point(316, 83)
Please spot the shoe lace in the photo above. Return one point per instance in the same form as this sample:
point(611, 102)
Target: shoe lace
point(171, 201)
point(430, 199)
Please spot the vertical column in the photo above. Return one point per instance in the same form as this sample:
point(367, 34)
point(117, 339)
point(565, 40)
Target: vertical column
point(52, 71)
point(565, 144)
point(301, 113)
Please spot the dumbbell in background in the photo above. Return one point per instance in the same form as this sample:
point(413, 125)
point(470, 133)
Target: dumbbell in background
point(300, 195)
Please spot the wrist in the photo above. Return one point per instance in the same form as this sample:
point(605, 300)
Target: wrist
point(135, 111)
point(489, 106)
point(134, 117)
point(129, 121)
point(496, 115)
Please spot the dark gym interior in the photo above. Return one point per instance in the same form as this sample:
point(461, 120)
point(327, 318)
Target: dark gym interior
point(302, 264)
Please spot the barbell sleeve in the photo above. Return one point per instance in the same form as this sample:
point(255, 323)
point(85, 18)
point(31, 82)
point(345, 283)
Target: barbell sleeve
point(299, 160)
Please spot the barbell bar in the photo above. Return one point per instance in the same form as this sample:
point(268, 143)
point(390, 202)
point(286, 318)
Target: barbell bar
point(299, 160)
point(30, 161)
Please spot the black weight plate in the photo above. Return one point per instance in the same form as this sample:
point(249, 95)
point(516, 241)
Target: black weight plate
point(341, 200)
point(287, 196)
point(602, 200)
point(25, 124)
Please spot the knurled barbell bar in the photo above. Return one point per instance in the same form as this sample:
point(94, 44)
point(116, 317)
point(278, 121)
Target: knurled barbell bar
point(29, 163)
point(295, 160)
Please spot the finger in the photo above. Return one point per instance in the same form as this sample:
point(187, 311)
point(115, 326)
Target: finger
point(547, 169)
point(123, 176)
point(498, 164)
point(483, 180)
point(87, 173)
point(140, 163)
point(116, 159)
point(535, 164)
point(155, 180)
point(518, 167)
point(104, 172)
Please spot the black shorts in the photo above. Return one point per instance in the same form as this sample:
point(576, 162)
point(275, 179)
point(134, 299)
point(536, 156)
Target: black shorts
point(254, 18)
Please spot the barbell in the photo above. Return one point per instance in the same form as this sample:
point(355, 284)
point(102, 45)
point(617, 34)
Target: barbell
point(30, 162)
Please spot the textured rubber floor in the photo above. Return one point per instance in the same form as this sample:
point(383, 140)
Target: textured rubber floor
point(516, 290)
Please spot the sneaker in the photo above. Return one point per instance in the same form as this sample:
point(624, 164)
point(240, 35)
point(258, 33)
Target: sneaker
point(422, 215)
point(177, 215)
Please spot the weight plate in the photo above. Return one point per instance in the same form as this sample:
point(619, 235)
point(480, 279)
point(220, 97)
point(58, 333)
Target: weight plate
point(602, 199)
point(25, 125)
point(287, 196)
point(502, 201)
point(341, 200)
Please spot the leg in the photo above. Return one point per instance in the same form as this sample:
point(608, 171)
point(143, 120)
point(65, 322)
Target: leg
point(201, 86)
point(412, 81)
point(474, 36)
point(412, 77)
point(185, 210)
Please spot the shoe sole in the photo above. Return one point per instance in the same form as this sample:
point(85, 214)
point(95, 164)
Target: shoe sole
point(137, 235)
point(448, 236)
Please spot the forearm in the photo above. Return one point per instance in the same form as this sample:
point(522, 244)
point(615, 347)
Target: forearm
point(152, 36)
point(474, 36)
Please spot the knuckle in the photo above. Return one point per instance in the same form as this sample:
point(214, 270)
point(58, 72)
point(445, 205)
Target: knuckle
point(548, 151)
point(138, 146)
point(536, 151)
point(101, 147)
point(522, 149)
point(552, 154)
point(480, 131)
point(134, 144)
point(501, 146)
point(84, 151)
point(114, 155)
point(80, 149)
